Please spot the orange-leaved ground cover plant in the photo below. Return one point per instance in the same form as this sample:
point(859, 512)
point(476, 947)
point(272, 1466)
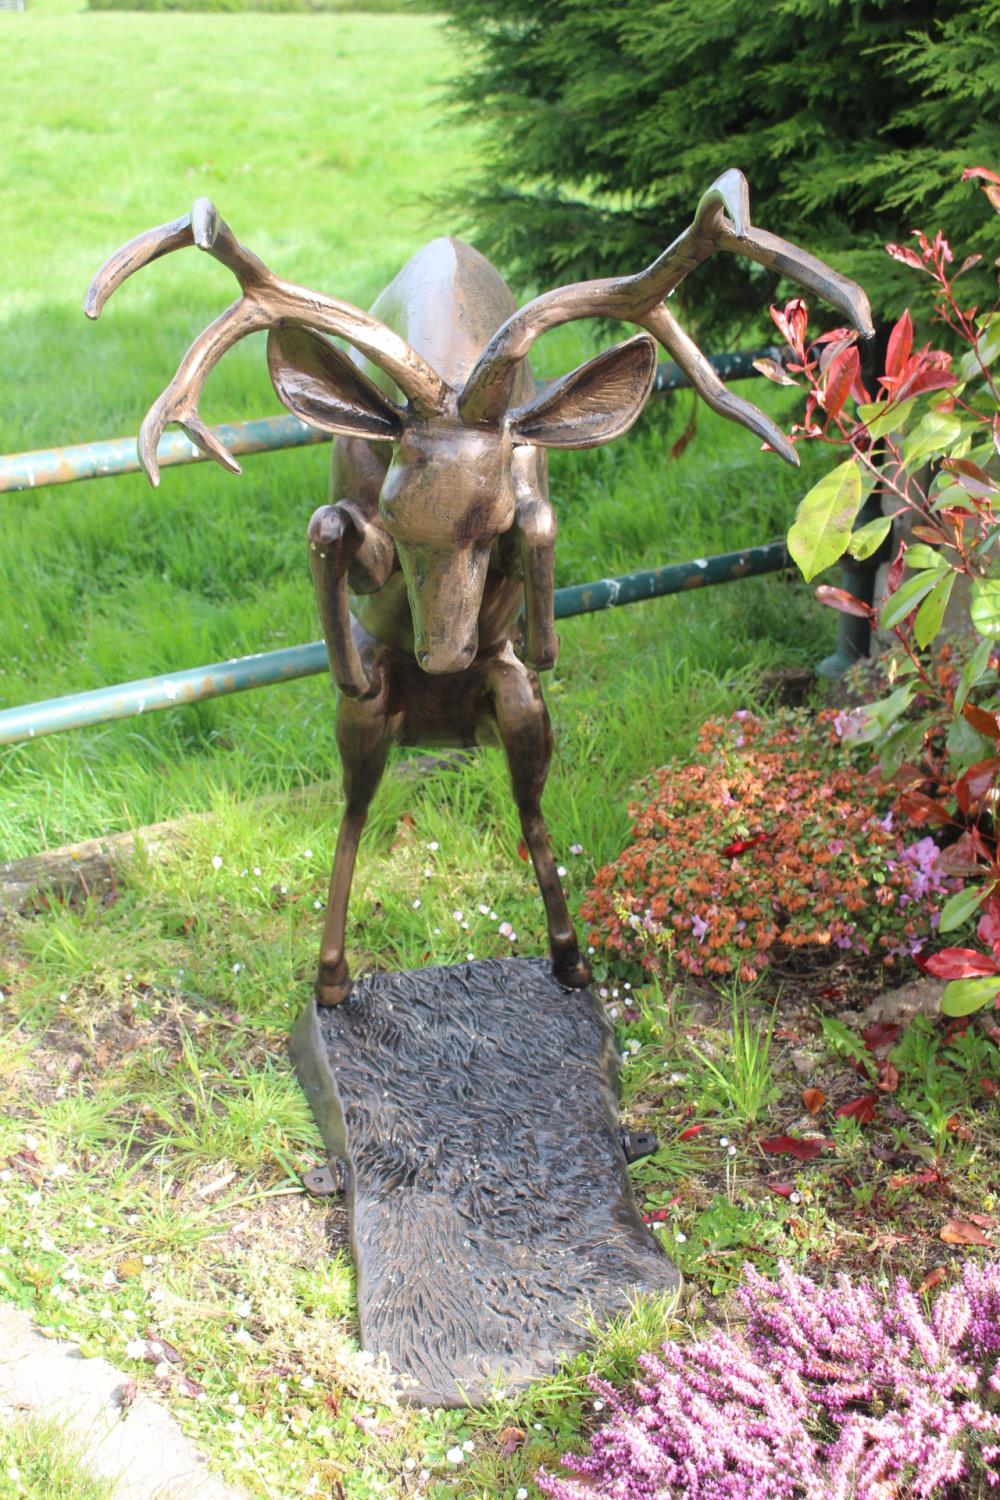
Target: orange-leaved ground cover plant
point(768, 842)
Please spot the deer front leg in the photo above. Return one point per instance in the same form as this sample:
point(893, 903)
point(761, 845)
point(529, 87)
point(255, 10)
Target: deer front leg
point(526, 734)
point(342, 540)
point(363, 739)
point(531, 539)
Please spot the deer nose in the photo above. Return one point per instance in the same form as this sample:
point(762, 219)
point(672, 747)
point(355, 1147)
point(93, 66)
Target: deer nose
point(444, 658)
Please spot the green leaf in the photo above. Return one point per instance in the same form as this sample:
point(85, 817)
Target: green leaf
point(903, 743)
point(989, 347)
point(821, 530)
point(880, 419)
point(908, 596)
point(931, 612)
point(935, 433)
point(868, 539)
point(965, 744)
point(971, 672)
point(963, 996)
point(880, 716)
point(920, 556)
point(960, 907)
point(984, 606)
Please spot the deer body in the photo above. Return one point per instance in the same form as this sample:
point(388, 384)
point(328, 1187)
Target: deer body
point(439, 530)
point(446, 303)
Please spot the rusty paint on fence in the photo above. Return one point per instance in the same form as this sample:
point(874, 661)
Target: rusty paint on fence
point(50, 466)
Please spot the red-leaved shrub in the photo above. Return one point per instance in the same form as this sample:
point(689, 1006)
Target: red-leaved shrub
point(769, 842)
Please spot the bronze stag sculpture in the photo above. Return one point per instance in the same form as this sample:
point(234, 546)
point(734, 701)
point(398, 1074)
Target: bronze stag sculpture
point(440, 532)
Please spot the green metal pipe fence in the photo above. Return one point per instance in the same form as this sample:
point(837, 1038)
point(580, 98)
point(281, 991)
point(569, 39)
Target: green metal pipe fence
point(28, 471)
point(174, 689)
point(32, 471)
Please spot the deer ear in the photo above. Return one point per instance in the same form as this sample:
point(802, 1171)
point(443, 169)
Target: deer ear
point(594, 404)
point(318, 382)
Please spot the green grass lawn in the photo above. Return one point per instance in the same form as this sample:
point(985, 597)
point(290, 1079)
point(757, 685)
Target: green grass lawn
point(150, 1125)
point(319, 138)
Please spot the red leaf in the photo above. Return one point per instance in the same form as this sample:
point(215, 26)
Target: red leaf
point(988, 724)
point(791, 324)
point(900, 345)
point(841, 376)
point(971, 787)
point(961, 857)
point(790, 1145)
point(813, 1099)
point(908, 257)
point(842, 600)
point(740, 846)
point(783, 1189)
point(522, 849)
point(686, 1135)
point(880, 1034)
point(972, 471)
point(958, 963)
point(990, 1087)
point(961, 1232)
point(934, 378)
point(861, 1109)
point(894, 577)
point(921, 809)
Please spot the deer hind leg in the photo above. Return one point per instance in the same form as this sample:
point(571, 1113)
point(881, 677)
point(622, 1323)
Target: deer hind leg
point(363, 739)
point(526, 734)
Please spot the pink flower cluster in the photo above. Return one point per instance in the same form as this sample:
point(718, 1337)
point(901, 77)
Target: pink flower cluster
point(843, 1391)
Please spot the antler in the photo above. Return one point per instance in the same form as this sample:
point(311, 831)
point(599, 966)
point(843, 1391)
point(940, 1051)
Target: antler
point(640, 299)
point(266, 300)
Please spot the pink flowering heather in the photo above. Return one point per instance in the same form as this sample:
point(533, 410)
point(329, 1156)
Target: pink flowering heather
point(829, 1393)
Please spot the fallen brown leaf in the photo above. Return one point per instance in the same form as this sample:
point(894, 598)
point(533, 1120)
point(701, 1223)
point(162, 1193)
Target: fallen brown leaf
point(961, 1232)
point(932, 1279)
point(813, 1099)
point(888, 1077)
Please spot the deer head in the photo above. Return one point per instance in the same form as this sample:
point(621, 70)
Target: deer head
point(449, 492)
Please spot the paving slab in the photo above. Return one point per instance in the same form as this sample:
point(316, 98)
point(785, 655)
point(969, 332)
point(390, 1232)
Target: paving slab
point(135, 1444)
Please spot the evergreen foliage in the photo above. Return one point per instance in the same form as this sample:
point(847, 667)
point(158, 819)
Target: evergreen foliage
point(605, 120)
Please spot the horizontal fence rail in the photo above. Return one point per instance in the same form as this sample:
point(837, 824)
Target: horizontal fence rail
point(52, 466)
point(174, 689)
point(49, 466)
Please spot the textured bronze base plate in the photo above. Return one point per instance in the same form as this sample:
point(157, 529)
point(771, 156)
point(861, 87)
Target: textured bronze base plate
point(488, 1195)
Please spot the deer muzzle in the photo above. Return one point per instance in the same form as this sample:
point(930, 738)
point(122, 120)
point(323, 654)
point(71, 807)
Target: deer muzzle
point(445, 590)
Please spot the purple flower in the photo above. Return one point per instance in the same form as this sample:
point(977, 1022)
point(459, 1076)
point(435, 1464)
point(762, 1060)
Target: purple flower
point(699, 927)
point(846, 1391)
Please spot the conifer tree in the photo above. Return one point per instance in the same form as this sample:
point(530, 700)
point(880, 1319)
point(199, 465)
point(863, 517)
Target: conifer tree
point(604, 120)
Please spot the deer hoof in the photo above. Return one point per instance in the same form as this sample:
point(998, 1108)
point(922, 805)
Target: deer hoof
point(333, 984)
point(572, 972)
